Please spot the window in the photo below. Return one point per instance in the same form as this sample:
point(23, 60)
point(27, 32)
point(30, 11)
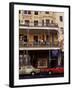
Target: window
point(61, 18)
point(62, 30)
point(19, 21)
point(29, 12)
point(36, 38)
point(55, 38)
point(25, 38)
point(42, 22)
point(36, 23)
point(21, 37)
point(19, 11)
point(47, 12)
point(25, 12)
point(36, 12)
point(26, 22)
point(51, 21)
point(47, 37)
point(47, 22)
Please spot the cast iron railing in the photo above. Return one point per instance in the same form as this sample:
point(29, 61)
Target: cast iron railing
point(38, 44)
point(40, 25)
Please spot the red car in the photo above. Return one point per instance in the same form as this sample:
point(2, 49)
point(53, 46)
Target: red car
point(57, 70)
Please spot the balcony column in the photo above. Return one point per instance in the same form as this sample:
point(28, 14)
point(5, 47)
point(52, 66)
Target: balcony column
point(59, 37)
point(38, 38)
point(44, 39)
point(26, 58)
point(53, 39)
point(49, 60)
point(59, 58)
point(27, 37)
point(49, 39)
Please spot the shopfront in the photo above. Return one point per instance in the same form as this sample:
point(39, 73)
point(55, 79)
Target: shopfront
point(42, 58)
point(39, 58)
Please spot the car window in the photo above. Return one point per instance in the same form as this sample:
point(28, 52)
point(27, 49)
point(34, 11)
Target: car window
point(29, 67)
point(23, 68)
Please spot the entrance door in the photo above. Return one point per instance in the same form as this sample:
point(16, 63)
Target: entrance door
point(36, 38)
point(42, 63)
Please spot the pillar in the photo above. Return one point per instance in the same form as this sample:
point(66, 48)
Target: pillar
point(59, 59)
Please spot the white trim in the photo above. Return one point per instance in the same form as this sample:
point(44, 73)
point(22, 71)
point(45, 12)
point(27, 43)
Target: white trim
point(53, 48)
point(28, 27)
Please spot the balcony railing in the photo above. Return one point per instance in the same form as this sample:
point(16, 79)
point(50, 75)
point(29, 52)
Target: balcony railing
point(38, 44)
point(40, 25)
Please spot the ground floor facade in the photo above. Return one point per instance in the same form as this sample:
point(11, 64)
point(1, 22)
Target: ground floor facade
point(41, 58)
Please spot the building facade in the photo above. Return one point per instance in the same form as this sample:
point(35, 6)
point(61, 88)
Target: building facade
point(43, 31)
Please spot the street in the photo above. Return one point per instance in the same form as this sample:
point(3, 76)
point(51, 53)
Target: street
point(43, 75)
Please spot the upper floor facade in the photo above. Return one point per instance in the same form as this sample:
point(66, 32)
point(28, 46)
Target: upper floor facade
point(40, 19)
point(40, 28)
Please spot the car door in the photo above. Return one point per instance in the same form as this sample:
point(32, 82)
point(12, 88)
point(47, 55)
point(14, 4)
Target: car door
point(28, 69)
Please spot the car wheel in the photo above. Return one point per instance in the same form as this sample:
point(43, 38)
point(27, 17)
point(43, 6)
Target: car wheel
point(49, 72)
point(32, 73)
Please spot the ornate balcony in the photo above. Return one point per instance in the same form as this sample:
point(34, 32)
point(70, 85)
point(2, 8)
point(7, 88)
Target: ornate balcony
point(38, 44)
point(39, 26)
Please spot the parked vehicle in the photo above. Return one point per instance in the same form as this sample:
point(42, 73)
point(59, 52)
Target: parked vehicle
point(28, 70)
point(57, 70)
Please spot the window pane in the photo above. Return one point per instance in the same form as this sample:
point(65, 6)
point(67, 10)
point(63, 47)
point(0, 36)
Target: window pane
point(42, 22)
point(19, 21)
point(35, 23)
point(25, 12)
point(25, 38)
point(36, 38)
point(47, 22)
point(61, 18)
point(21, 37)
point(52, 21)
point(19, 11)
point(62, 30)
point(27, 22)
point(36, 12)
point(47, 12)
point(29, 12)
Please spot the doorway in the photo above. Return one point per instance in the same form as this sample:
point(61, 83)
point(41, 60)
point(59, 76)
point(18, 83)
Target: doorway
point(36, 38)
